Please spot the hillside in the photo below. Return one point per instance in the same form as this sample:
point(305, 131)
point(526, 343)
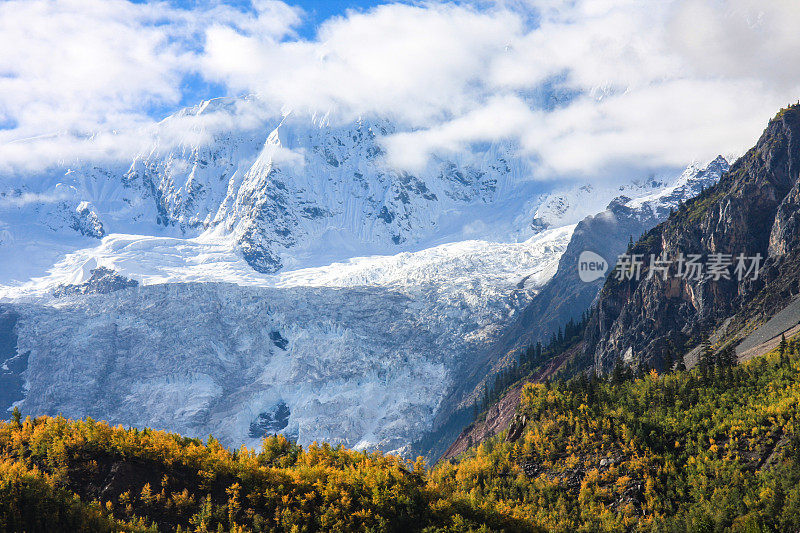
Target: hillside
point(59, 475)
point(705, 450)
point(651, 320)
point(711, 450)
point(563, 297)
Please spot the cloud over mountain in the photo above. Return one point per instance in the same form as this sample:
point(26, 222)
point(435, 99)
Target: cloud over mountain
point(583, 87)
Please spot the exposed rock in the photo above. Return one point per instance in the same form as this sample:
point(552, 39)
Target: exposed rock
point(101, 281)
point(565, 296)
point(516, 427)
point(86, 221)
point(752, 210)
point(278, 340)
point(12, 363)
point(271, 422)
point(498, 418)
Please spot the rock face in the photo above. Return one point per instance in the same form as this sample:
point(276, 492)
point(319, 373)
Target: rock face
point(101, 281)
point(12, 362)
point(752, 210)
point(499, 417)
point(607, 234)
point(564, 296)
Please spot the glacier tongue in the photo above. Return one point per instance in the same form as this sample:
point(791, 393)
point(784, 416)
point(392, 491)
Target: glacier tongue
point(200, 359)
point(360, 352)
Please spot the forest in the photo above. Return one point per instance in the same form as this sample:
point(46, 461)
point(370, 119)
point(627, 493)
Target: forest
point(714, 448)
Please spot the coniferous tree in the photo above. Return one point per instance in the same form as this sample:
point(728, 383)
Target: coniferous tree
point(705, 358)
point(618, 373)
point(668, 362)
point(641, 369)
point(729, 356)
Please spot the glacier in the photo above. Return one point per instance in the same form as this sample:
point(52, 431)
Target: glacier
point(254, 271)
point(370, 346)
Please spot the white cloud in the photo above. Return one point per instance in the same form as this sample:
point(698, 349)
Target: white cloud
point(80, 78)
point(500, 118)
point(659, 83)
point(28, 198)
point(585, 87)
point(424, 63)
point(739, 38)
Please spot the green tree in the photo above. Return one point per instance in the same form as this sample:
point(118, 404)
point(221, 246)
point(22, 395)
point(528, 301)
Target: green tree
point(668, 361)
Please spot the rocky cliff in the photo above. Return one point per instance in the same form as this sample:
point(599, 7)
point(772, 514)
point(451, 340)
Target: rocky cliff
point(607, 234)
point(753, 210)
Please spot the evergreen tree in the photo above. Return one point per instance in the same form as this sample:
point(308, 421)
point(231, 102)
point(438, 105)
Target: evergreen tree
point(728, 356)
point(530, 355)
point(668, 361)
point(641, 369)
point(706, 357)
point(618, 373)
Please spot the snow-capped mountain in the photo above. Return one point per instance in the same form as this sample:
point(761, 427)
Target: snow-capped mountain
point(283, 189)
point(248, 272)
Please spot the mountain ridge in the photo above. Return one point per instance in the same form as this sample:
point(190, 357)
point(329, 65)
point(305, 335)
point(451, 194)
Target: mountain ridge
point(750, 211)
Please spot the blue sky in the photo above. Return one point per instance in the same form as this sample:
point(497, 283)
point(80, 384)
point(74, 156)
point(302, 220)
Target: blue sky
point(319, 11)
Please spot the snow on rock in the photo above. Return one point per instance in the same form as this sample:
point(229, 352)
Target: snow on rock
point(289, 190)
